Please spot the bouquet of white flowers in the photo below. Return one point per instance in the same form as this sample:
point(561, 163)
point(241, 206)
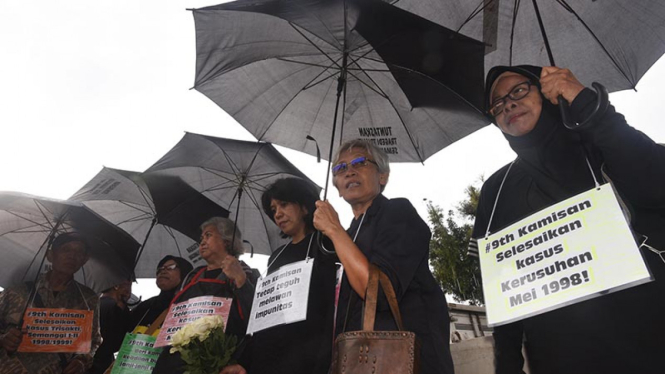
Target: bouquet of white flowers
point(203, 345)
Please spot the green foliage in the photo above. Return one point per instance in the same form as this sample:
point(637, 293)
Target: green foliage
point(210, 355)
point(456, 271)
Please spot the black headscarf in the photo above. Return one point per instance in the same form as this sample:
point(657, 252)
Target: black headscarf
point(551, 154)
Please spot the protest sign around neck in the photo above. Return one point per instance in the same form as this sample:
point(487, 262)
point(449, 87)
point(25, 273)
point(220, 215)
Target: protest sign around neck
point(189, 311)
point(57, 330)
point(281, 297)
point(564, 254)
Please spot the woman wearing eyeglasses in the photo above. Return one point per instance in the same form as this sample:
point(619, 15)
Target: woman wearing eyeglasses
point(170, 273)
point(390, 234)
point(622, 332)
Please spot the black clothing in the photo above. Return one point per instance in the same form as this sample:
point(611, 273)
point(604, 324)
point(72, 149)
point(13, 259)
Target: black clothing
point(114, 322)
point(147, 311)
point(201, 282)
point(394, 238)
point(303, 347)
point(622, 332)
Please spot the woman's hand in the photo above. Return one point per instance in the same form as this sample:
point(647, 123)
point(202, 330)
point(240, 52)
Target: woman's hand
point(355, 263)
point(555, 81)
point(326, 219)
point(232, 268)
point(233, 369)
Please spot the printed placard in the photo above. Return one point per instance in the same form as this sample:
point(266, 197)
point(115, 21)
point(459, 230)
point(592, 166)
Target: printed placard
point(189, 311)
point(564, 254)
point(281, 297)
point(57, 330)
point(137, 355)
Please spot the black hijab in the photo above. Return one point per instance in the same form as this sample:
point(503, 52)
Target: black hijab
point(551, 154)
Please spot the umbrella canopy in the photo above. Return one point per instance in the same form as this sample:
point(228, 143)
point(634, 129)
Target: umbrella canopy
point(233, 174)
point(280, 68)
point(613, 42)
point(162, 212)
point(28, 222)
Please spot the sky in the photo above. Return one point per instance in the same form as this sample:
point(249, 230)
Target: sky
point(87, 84)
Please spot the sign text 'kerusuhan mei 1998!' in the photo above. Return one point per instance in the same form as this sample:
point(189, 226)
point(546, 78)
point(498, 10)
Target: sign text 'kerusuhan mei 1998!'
point(566, 253)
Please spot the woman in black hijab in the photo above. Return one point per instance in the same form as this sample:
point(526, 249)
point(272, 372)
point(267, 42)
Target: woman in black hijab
point(170, 273)
point(622, 332)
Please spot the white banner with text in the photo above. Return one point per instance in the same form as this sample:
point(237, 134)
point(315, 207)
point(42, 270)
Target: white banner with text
point(281, 297)
point(567, 253)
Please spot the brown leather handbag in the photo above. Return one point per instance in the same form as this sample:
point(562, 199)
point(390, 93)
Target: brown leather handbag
point(377, 352)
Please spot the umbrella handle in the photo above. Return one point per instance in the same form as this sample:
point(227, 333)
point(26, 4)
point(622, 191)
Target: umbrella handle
point(602, 103)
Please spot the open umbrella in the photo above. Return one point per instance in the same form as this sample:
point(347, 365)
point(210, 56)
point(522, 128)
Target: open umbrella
point(161, 212)
point(281, 68)
point(28, 224)
point(613, 42)
point(233, 174)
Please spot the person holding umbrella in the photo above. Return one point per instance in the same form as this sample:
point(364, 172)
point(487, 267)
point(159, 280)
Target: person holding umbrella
point(390, 234)
point(223, 276)
point(54, 289)
point(621, 332)
point(301, 347)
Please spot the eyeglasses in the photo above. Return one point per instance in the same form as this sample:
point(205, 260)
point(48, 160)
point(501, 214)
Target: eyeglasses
point(167, 267)
point(359, 162)
point(516, 93)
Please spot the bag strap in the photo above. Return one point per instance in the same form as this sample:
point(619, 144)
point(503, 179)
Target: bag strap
point(157, 323)
point(376, 276)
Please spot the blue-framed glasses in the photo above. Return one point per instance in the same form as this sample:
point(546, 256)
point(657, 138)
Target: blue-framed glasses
point(356, 163)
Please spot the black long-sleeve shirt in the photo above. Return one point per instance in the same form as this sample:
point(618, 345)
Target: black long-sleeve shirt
point(621, 332)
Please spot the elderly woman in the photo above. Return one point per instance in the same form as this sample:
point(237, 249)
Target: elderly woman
point(223, 276)
point(621, 332)
point(390, 234)
point(301, 347)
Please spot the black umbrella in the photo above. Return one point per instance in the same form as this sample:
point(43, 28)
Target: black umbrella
point(233, 174)
point(281, 67)
point(613, 42)
point(162, 212)
point(28, 224)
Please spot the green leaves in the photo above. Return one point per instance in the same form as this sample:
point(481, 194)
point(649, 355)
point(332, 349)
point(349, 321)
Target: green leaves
point(210, 355)
point(458, 274)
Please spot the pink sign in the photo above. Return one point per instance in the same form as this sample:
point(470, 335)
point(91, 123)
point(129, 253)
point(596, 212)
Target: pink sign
point(188, 311)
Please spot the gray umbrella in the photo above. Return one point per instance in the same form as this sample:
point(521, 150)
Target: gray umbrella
point(161, 212)
point(613, 42)
point(233, 174)
point(28, 224)
point(281, 68)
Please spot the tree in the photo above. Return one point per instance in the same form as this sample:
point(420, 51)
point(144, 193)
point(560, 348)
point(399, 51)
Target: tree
point(456, 271)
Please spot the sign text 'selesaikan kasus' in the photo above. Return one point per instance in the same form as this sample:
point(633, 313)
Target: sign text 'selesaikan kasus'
point(564, 254)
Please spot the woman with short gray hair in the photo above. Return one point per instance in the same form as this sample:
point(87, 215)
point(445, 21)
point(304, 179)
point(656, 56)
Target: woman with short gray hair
point(226, 227)
point(389, 234)
point(224, 276)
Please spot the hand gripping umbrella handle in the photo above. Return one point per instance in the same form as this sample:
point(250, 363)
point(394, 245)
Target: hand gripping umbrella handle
point(602, 103)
